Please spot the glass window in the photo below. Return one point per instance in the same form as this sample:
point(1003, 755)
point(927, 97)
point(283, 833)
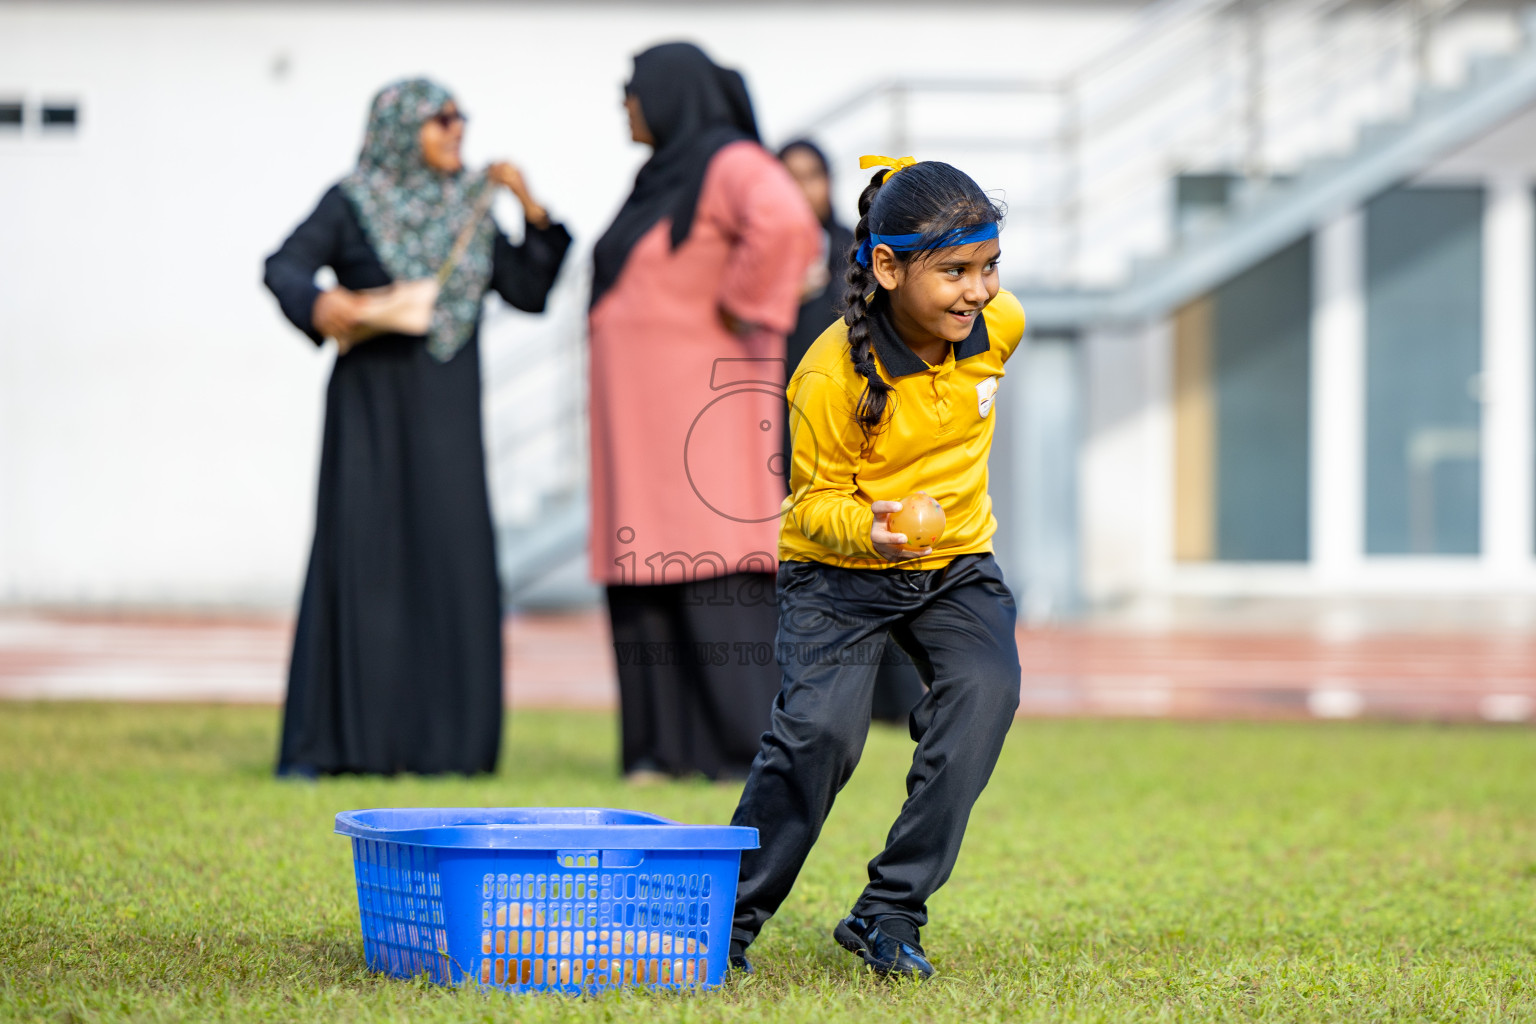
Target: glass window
point(1423, 280)
point(1242, 415)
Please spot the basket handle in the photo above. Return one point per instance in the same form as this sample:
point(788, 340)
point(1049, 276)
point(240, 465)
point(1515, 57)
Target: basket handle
point(623, 858)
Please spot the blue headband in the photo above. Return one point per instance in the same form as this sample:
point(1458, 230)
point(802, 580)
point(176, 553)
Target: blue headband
point(908, 243)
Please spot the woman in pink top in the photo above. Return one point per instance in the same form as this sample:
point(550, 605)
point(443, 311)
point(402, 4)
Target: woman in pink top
point(695, 285)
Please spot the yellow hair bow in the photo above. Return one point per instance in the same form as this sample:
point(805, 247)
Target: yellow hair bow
point(895, 163)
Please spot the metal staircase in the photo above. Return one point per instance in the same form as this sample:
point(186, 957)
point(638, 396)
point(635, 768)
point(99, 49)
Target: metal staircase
point(1441, 120)
point(535, 393)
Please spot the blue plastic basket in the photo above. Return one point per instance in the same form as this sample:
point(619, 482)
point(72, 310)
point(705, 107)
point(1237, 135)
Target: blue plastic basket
point(570, 899)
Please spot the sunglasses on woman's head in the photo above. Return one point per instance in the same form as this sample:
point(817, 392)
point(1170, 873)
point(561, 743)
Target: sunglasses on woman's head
point(446, 120)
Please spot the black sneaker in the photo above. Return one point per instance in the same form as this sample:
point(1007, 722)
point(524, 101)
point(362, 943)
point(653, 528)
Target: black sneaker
point(738, 961)
point(887, 944)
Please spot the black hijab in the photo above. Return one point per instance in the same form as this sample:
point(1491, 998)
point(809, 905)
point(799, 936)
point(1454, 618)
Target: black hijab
point(693, 108)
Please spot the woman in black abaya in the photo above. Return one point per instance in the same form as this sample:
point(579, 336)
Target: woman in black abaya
point(397, 656)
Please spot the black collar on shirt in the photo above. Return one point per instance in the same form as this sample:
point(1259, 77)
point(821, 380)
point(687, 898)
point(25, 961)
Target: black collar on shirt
point(898, 359)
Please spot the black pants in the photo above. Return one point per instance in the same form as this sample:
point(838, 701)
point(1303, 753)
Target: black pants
point(898, 687)
point(696, 673)
point(957, 624)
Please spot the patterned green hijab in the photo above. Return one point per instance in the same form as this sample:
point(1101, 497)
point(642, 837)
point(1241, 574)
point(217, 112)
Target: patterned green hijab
point(412, 214)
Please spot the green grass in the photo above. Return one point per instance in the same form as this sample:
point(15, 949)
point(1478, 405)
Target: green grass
point(150, 869)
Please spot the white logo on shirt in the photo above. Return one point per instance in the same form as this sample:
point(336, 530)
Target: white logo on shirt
point(984, 393)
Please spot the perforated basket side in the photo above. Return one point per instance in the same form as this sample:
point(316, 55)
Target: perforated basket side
point(574, 925)
point(399, 899)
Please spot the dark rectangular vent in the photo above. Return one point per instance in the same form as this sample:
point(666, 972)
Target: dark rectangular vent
point(10, 114)
point(60, 115)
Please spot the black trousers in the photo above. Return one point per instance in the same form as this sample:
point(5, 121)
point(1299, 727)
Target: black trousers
point(696, 673)
point(957, 624)
point(898, 687)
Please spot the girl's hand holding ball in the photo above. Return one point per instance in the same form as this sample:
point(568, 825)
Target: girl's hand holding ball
point(908, 528)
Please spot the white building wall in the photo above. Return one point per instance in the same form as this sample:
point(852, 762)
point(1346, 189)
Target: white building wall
point(1126, 486)
point(159, 421)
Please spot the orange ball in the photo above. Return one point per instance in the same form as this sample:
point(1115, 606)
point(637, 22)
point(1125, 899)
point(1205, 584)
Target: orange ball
point(921, 519)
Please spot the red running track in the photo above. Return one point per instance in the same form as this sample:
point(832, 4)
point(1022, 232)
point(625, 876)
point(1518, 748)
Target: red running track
point(564, 660)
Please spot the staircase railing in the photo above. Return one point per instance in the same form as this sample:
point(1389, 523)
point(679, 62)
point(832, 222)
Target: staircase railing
point(535, 387)
point(1250, 89)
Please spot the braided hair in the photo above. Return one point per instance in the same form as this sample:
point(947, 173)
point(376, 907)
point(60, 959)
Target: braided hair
point(931, 199)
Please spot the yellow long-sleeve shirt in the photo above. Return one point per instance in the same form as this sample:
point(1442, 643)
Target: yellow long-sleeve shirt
point(936, 437)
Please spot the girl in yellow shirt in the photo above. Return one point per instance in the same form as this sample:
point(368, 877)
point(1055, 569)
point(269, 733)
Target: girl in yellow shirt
point(894, 398)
